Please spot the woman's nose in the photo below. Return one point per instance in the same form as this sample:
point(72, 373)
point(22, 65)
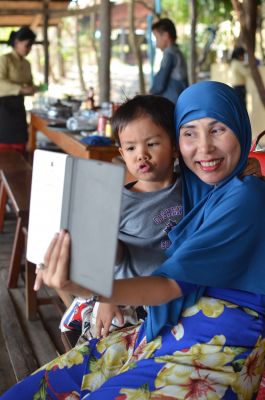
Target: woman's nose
point(206, 144)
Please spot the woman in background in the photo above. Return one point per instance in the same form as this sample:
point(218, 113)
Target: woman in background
point(15, 83)
point(239, 72)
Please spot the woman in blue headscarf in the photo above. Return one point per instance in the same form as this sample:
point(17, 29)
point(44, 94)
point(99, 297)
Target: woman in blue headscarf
point(204, 334)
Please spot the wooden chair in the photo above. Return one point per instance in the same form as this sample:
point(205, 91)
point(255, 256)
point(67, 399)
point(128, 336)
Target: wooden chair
point(15, 185)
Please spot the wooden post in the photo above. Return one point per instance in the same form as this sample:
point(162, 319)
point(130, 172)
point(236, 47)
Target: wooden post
point(45, 41)
point(104, 64)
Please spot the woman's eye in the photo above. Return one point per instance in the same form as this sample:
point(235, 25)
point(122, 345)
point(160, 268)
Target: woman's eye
point(218, 130)
point(186, 134)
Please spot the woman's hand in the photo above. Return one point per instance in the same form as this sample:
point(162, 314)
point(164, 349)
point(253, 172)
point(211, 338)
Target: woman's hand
point(27, 90)
point(56, 267)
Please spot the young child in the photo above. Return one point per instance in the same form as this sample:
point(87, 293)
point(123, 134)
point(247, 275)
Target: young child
point(151, 206)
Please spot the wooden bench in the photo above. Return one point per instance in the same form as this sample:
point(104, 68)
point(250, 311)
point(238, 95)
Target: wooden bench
point(15, 185)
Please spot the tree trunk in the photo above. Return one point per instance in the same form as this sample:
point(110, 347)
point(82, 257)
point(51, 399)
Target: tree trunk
point(93, 19)
point(78, 56)
point(60, 60)
point(105, 52)
point(250, 11)
point(248, 40)
point(135, 45)
point(193, 53)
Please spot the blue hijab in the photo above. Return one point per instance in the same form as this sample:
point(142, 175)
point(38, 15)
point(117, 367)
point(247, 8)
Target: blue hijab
point(219, 243)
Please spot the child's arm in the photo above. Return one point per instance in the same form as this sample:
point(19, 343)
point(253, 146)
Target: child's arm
point(106, 313)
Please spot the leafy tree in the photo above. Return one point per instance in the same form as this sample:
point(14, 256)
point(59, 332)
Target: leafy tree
point(246, 13)
point(207, 10)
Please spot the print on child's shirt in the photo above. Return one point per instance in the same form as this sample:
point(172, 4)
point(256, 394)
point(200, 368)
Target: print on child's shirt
point(166, 217)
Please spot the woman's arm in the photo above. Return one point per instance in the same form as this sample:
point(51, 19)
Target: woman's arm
point(7, 88)
point(152, 290)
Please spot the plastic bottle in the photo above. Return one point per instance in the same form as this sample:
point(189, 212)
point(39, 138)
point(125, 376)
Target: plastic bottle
point(108, 129)
point(90, 103)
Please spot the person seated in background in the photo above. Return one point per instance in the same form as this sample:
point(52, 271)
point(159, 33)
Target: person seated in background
point(15, 83)
point(204, 330)
point(239, 72)
point(172, 77)
point(151, 205)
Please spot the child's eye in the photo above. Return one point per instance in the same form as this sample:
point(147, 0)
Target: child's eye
point(130, 148)
point(152, 144)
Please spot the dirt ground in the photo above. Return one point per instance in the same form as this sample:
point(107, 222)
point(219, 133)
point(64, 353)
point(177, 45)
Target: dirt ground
point(124, 83)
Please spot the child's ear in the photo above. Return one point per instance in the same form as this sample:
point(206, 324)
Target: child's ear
point(121, 152)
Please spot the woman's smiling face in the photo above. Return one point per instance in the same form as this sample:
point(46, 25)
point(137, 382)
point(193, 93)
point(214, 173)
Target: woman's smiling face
point(209, 149)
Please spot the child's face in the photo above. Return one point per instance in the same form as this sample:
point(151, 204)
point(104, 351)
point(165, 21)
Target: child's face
point(162, 39)
point(148, 152)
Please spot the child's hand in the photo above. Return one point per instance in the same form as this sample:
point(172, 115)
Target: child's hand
point(106, 312)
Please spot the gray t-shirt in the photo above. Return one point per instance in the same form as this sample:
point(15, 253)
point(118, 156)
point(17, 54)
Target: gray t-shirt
point(146, 219)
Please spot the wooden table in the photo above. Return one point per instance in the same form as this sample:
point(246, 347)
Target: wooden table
point(67, 141)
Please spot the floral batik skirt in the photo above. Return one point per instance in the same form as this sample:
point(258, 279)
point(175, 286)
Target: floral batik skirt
point(215, 352)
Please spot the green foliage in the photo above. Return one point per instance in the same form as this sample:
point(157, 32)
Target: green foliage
point(209, 11)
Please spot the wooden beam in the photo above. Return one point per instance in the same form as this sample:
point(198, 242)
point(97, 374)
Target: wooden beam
point(37, 20)
point(19, 20)
point(29, 5)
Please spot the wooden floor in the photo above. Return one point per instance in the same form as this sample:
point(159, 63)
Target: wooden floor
point(24, 345)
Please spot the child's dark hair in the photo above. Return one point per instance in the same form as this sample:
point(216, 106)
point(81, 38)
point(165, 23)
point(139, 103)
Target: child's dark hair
point(158, 108)
point(24, 33)
point(165, 25)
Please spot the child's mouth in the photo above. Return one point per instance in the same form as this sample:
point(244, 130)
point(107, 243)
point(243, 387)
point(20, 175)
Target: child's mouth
point(144, 168)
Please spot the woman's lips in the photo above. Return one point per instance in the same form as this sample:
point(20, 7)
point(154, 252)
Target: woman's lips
point(210, 165)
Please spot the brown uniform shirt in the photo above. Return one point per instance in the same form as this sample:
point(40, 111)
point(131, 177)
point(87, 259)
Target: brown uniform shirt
point(15, 72)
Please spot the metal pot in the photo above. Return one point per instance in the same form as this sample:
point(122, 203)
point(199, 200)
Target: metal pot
point(74, 104)
point(59, 111)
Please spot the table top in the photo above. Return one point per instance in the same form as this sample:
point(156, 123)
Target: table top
point(67, 140)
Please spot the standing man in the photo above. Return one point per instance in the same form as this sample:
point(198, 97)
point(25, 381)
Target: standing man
point(172, 77)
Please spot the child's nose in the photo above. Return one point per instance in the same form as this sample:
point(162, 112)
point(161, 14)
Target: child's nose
point(143, 155)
